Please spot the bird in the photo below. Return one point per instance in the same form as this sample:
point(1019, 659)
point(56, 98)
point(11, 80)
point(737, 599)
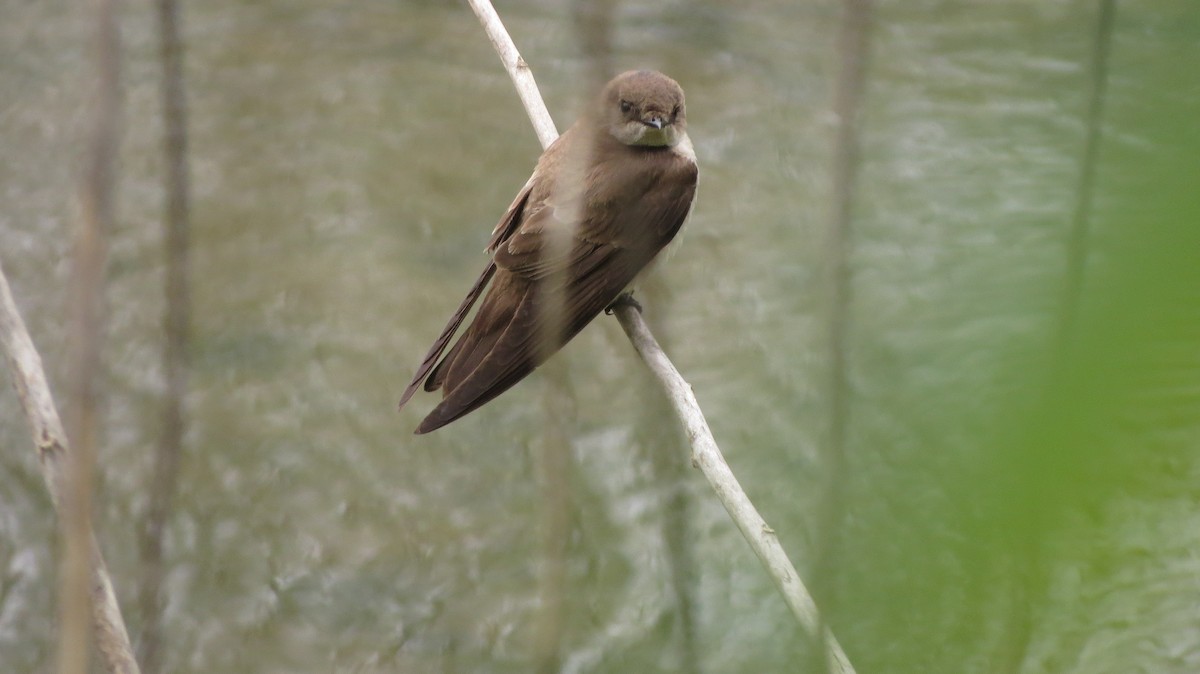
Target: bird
point(604, 201)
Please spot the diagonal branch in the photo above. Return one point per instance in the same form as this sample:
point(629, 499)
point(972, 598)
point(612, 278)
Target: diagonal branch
point(705, 454)
point(48, 437)
point(518, 70)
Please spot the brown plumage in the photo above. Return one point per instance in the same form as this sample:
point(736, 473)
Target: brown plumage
point(603, 201)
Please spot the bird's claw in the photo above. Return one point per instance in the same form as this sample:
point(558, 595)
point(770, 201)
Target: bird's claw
point(623, 300)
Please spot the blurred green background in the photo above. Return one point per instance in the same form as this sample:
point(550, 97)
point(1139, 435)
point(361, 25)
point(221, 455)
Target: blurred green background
point(1009, 505)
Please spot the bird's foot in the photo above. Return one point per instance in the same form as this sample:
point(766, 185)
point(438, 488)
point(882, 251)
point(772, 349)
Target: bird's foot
point(623, 300)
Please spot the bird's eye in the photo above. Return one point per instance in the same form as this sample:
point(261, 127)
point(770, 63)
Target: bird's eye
point(626, 106)
point(675, 111)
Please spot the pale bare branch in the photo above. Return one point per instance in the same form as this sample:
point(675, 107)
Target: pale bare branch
point(86, 593)
point(518, 70)
point(706, 456)
point(49, 439)
point(705, 453)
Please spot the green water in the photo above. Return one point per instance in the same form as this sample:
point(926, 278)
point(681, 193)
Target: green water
point(348, 163)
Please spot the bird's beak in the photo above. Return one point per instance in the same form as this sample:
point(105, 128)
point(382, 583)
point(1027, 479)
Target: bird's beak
point(655, 121)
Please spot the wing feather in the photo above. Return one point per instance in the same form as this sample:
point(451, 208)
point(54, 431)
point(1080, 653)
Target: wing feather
point(604, 254)
point(504, 229)
point(599, 274)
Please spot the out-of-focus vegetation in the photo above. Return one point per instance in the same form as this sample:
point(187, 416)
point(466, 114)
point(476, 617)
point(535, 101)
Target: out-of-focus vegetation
point(1014, 502)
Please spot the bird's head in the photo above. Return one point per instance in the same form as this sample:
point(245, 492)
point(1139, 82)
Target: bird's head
point(644, 107)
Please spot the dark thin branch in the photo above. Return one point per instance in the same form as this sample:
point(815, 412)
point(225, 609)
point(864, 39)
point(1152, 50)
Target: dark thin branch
point(853, 51)
point(1081, 217)
point(176, 325)
point(1029, 572)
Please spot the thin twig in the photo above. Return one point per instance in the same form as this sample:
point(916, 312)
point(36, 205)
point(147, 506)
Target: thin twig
point(53, 455)
point(708, 458)
point(518, 70)
point(705, 453)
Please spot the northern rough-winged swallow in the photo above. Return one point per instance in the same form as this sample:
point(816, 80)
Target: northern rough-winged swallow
point(603, 201)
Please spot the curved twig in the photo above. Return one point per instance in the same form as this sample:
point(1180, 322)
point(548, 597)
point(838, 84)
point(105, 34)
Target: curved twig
point(705, 454)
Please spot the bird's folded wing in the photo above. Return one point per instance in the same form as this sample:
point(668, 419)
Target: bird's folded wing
point(593, 275)
point(504, 229)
